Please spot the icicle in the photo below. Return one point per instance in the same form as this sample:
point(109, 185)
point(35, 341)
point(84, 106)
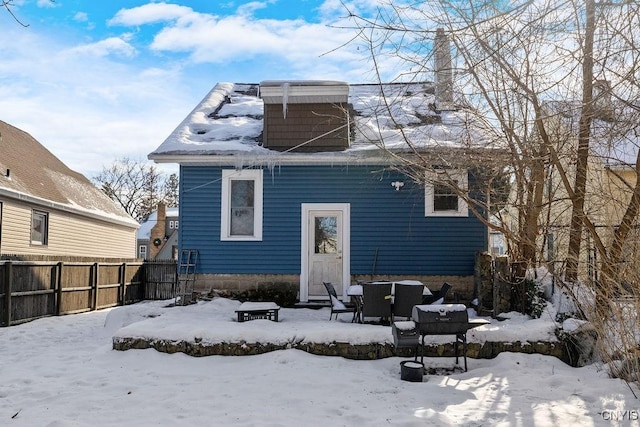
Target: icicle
point(285, 98)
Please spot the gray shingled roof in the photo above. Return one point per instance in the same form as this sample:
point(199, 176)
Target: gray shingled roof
point(37, 176)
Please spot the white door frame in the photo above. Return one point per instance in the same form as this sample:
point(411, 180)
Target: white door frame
point(345, 208)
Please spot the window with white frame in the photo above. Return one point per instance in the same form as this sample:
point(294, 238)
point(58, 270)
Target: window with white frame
point(142, 251)
point(241, 205)
point(441, 198)
point(39, 227)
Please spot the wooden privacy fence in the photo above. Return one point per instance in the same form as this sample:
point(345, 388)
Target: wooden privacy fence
point(34, 289)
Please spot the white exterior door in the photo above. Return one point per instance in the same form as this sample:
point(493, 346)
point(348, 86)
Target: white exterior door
point(325, 249)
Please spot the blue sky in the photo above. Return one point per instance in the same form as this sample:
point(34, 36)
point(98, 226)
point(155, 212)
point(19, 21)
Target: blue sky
point(98, 80)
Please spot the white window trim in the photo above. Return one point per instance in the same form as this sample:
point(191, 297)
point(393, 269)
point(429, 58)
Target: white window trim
point(229, 175)
point(142, 251)
point(460, 175)
point(45, 231)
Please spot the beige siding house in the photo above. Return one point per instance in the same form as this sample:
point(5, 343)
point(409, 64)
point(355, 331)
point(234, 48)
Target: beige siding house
point(48, 209)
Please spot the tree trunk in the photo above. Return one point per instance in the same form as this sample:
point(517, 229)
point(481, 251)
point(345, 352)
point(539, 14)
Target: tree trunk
point(584, 135)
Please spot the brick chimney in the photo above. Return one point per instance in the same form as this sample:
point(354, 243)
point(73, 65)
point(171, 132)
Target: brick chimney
point(443, 71)
point(158, 231)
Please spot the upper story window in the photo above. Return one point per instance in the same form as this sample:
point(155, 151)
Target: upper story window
point(142, 251)
point(441, 198)
point(241, 205)
point(39, 227)
point(173, 225)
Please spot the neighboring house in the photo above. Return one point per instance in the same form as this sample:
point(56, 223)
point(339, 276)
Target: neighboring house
point(611, 178)
point(48, 209)
point(158, 234)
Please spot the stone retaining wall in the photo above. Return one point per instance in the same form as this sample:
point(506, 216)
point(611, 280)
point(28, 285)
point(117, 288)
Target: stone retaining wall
point(487, 350)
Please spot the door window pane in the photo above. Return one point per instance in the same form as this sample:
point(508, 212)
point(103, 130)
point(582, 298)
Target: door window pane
point(326, 235)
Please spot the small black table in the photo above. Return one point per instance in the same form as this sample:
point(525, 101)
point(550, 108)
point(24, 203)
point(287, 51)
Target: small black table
point(258, 310)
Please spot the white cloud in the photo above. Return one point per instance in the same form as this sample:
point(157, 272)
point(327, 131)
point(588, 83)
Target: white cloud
point(295, 45)
point(81, 17)
point(248, 8)
point(47, 3)
point(89, 112)
point(110, 46)
point(149, 14)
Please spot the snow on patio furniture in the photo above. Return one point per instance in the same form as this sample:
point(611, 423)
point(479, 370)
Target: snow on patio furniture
point(437, 297)
point(258, 310)
point(338, 306)
point(444, 319)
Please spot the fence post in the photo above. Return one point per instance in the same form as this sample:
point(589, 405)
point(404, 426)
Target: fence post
point(95, 286)
point(58, 288)
point(8, 277)
point(501, 286)
point(123, 283)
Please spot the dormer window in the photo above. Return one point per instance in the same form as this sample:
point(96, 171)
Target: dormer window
point(305, 116)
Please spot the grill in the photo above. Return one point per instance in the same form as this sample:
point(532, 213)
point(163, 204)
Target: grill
point(435, 319)
point(441, 319)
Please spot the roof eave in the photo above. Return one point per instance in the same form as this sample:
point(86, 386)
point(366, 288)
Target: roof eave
point(282, 159)
point(363, 157)
point(16, 195)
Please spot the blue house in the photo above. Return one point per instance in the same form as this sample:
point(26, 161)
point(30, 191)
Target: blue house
point(287, 184)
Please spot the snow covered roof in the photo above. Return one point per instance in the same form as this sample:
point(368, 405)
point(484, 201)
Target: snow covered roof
point(228, 124)
point(31, 173)
point(615, 137)
point(144, 231)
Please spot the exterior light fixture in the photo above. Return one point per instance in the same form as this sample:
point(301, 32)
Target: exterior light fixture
point(397, 185)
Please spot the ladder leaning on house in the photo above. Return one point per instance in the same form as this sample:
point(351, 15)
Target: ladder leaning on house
point(186, 276)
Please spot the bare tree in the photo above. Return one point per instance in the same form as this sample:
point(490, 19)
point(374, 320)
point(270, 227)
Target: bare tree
point(531, 68)
point(138, 187)
point(8, 5)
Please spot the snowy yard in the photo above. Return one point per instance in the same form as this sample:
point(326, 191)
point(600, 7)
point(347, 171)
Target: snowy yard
point(62, 371)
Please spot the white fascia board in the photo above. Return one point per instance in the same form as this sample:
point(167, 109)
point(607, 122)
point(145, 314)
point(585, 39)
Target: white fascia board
point(304, 94)
point(232, 160)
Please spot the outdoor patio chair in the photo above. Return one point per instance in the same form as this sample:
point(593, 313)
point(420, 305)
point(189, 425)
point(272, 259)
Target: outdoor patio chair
point(337, 306)
point(376, 300)
point(406, 296)
point(437, 296)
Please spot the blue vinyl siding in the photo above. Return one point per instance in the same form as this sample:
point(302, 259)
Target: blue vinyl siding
point(382, 219)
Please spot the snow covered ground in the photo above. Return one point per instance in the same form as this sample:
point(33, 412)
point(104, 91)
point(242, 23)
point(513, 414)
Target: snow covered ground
point(62, 371)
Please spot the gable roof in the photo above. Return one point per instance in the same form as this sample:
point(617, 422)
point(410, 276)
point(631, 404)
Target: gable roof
point(227, 126)
point(30, 172)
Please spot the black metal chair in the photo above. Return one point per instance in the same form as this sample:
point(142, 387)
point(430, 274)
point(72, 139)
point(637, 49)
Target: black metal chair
point(405, 297)
point(337, 306)
point(437, 295)
point(376, 300)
